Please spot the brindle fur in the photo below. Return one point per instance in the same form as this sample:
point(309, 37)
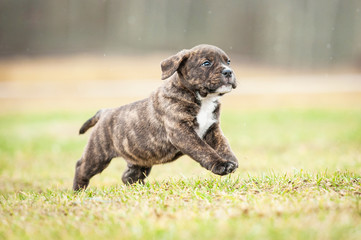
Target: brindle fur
point(161, 128)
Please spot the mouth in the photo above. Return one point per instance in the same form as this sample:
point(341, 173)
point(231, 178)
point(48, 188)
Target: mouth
point(224, 89)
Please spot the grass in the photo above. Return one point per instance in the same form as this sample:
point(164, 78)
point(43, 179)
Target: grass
point(299, 178)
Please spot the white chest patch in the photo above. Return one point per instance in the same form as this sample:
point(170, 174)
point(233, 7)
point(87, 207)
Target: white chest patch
point(205, 116)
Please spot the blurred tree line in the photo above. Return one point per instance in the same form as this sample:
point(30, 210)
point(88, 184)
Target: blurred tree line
point(295, 33)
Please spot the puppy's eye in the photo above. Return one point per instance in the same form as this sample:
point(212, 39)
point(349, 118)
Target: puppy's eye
point(228, 61)
point(206, 64)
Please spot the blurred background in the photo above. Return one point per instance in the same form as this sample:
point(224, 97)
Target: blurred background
point(61, 49)
point(297, 34)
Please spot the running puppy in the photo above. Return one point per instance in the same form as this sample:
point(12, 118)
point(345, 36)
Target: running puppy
point(180, 117)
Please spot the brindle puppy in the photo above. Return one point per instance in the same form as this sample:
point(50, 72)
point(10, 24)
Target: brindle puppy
point(180, 117)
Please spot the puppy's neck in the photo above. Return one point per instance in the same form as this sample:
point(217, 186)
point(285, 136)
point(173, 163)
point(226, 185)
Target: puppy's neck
point(176, 88)
point(181, 82)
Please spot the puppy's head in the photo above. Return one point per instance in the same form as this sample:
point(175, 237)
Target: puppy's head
point(204, 69)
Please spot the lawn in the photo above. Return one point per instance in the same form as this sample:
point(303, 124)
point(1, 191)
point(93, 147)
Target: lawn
point(298, 178)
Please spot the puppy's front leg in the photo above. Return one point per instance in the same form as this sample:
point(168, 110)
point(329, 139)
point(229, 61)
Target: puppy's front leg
point(188, 142)
point(215, 138)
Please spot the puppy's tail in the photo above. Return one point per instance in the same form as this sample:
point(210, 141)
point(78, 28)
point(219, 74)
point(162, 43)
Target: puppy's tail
point(91, 122)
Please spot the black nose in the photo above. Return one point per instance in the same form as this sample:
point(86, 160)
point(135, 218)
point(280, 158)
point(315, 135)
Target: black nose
point(227, 73)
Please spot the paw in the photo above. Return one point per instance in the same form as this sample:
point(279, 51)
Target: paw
point(224, 168)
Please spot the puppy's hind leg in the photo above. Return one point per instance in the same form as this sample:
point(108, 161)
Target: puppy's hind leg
point(93, 161)
point(84, 171)
point(135, 174)
point(79, 182)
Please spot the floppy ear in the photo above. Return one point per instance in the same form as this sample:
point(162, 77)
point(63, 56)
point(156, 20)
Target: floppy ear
point(171, 64)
